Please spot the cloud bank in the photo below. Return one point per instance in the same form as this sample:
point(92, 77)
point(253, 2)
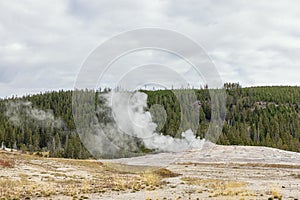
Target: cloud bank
point(43, 44)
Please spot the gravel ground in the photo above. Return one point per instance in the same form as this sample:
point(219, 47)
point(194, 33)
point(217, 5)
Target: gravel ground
point(215, 172)
point(266, 172)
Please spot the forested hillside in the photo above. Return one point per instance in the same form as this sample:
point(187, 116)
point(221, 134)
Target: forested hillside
point(267, 116)
point(264, 116)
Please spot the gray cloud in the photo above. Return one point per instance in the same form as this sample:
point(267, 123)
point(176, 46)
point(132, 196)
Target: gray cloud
point(43, 44)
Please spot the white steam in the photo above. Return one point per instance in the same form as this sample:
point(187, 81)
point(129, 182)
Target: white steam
point(130, 116)
point(22, 112)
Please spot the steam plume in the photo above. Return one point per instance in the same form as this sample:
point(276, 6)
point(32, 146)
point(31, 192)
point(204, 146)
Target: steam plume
point(22, 112)
point(132, 121)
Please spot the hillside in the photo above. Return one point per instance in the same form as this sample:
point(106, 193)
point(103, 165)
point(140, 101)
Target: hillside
point(260, 116)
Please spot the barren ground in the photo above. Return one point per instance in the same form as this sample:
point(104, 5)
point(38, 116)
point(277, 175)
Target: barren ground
point(218, 172)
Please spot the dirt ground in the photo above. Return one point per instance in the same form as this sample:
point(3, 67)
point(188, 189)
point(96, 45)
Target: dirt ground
point(215, 172)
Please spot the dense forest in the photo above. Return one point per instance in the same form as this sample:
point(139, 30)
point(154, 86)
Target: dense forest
point(263, 116)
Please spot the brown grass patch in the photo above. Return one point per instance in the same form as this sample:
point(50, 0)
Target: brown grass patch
point(296, 176)
point(165, 173)
point(7, 163)
point(150, 177)
point(219, 188)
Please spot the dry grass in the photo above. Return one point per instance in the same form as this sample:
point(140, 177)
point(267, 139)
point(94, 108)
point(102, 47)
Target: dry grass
point(7, 163)
point(226, 188)
point(127, 169)
point(219, 188)
point(274, 192)
point(215, 182)
point(38, 176)
point(149, 178)
point(297, 176)
point(164, 173)
point(6, 160)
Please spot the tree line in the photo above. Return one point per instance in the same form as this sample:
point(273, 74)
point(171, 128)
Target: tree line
point(260, 116)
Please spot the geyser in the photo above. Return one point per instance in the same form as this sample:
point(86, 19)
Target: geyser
point(131, 125)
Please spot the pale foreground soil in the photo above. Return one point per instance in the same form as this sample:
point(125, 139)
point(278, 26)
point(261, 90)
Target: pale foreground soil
point(216, 172)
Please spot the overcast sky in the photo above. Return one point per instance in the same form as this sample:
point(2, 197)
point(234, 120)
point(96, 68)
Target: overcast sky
point(44, 43)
